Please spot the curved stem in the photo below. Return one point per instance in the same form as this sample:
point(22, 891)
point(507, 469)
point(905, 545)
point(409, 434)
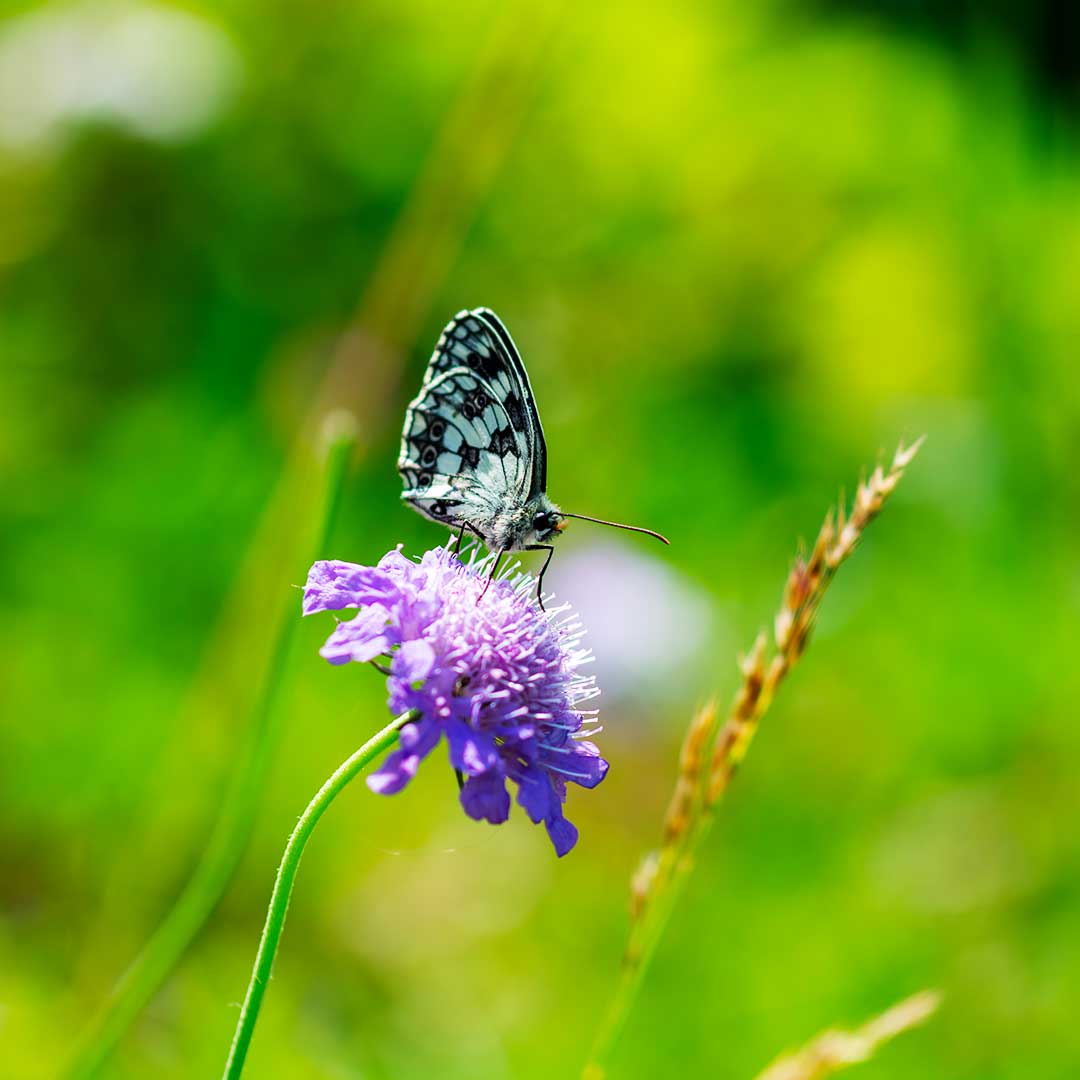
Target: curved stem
point(286, 875)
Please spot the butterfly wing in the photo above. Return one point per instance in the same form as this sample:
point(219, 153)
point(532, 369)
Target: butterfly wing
point(519, 393)
point(472, 446)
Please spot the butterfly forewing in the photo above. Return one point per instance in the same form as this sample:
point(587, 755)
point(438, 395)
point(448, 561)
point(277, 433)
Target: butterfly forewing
point(472, 446)
point(521, 392)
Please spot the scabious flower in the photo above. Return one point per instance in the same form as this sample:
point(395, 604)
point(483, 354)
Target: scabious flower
point(482, 665)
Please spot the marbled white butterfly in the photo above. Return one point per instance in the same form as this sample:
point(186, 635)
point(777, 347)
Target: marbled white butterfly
point(473, 455)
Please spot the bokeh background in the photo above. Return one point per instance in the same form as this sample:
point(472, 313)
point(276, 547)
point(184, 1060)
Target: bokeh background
point(745, 249)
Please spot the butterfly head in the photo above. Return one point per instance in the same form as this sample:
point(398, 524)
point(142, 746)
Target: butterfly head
point(547, 523)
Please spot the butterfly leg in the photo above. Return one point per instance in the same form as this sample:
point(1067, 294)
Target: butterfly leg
point(461, 535)
point(491, 576)
point(549, 548)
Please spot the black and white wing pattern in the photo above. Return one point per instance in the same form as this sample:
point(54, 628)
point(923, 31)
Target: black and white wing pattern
point(472, 447)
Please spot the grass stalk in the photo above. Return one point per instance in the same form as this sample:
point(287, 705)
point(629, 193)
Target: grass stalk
point(836, 1049)
point(712, 754)
point(228, 841)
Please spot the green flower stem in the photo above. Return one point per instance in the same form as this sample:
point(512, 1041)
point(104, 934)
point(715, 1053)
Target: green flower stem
point(229, 839)
point(279, 899)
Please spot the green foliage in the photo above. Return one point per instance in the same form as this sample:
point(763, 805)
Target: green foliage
point(742, 247)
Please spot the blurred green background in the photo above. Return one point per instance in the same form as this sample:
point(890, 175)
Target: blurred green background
point(745, 250)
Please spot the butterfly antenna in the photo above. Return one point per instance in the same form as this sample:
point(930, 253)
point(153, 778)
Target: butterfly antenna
point(616, 525)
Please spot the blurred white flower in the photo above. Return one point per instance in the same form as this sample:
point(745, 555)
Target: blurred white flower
point(161, 72)
point(648, 625)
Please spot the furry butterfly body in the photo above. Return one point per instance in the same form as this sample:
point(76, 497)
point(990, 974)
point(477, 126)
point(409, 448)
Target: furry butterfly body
point(473, 456)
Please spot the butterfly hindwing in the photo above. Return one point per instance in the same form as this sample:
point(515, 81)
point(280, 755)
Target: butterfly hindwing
point(472, 446)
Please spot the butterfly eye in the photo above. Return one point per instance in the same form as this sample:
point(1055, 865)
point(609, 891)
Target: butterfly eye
point(428, 456)
point(437, 429)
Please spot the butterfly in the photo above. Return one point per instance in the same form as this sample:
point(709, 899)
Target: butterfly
point(473, 455)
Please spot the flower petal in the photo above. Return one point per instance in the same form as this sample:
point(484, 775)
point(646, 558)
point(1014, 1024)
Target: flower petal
point(474, 752)
point(417, 741)
point(421, 737)
point(333, 585)
point(361, 639)
point(535, 794)
point(563, 834)
point(485, 798)
point(394, 563)
point(413, 661)
point(403, 698)
point(579, 763)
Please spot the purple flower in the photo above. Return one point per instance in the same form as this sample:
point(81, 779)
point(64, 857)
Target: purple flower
point(497, 676)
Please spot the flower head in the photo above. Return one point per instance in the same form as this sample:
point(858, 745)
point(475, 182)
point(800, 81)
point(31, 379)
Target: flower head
point(482, 665)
